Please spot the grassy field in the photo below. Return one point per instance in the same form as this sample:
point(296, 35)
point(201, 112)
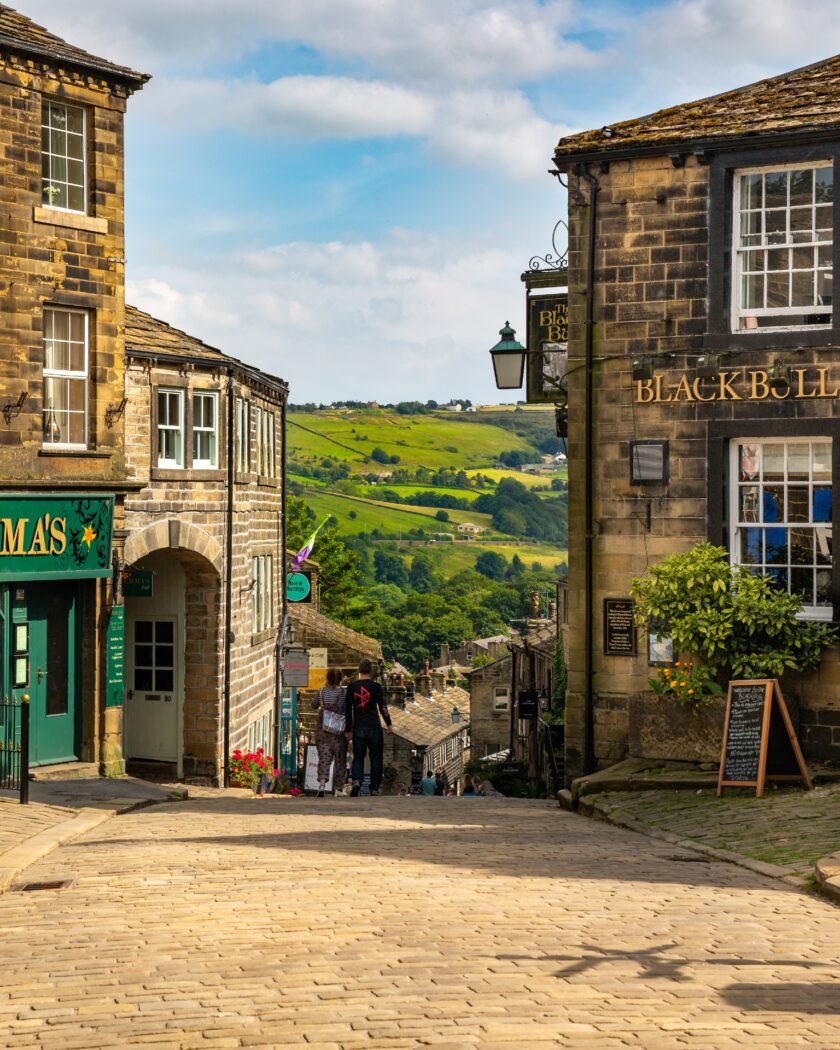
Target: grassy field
point(432, 441)
point(412, 490)
point(451, 558)
point(389, 518)
point(530, 481)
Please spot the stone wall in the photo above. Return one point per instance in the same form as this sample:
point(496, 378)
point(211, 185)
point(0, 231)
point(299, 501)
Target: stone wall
point(186, 511)
point(489, 728)
point(651, 297)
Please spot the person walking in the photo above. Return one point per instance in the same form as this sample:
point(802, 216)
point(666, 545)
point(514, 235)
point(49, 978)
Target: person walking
point(365, 703)
point(441, 782)
point(330, 702)
point(427, 784)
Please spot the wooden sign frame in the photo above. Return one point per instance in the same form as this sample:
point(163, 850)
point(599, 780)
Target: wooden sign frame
point(772, 697)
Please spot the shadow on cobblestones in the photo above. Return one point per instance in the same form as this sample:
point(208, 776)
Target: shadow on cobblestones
point(787, 996)
point(451, 833)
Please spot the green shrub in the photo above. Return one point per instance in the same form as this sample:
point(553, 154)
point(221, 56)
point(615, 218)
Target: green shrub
point(738, 624)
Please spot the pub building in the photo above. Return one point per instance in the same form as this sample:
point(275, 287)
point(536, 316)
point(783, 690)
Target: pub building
point(62, 459)
point(703, 378)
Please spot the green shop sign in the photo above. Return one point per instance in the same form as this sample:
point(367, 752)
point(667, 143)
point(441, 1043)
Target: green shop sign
point(299, 587)
point(55, 537)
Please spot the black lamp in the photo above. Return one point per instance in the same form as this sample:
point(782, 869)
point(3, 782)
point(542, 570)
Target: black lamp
point(642, 368)
point(708, 366)
point(779, 378)
point(508, 360)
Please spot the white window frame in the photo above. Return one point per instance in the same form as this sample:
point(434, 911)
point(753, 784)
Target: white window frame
point(69, 374)
point(739, 313)
point(271, 459)
point(501, 693)
point(262, 592)
point(47, 181)
point(179, 428)
point(243, 435)
point(199, 462)
point(258, 418)
point(808, 612)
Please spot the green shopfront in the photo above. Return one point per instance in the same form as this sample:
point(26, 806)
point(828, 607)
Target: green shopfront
point(55, 569)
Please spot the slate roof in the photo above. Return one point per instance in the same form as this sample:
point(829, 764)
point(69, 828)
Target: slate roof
point(806, 99)
point(428, 719)
point(148, 335)
point(322, 628)
point(21, 33)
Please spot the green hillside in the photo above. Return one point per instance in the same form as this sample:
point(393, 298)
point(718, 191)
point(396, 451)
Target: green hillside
point(387, 476)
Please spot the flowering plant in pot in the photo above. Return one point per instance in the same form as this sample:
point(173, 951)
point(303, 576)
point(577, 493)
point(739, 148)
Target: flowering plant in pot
point(253, 769)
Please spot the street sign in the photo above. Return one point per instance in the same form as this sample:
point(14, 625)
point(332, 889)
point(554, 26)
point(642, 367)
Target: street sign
point(296, 668)
point(299, 587)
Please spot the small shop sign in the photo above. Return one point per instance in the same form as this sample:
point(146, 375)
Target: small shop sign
point(528, 704)
point(115, 657)
point(55, 537)
point(296, 668)
point(138, 583)
point(299, 587)
point(318, 659)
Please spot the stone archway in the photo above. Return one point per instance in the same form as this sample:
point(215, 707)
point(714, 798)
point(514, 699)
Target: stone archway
point(171, 534)
point(201, 558)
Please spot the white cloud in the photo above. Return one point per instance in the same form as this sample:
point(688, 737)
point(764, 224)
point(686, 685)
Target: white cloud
point(410, 316)
point(458, 41)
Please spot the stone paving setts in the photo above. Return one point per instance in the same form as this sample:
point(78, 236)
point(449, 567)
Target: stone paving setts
point(407, 923)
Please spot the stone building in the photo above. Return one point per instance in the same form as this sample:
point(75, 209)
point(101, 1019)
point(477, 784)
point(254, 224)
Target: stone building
point(492, 707)
point(203, 553)
point(431, 726)
point(702, 334)
point(62, 456)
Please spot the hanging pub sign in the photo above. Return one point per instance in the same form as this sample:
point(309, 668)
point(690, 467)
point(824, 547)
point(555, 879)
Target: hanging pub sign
point(759, 741)
point(548, 358)
point(299, 587)
point(55, 537)
point(619, 628)
point(318, 663)
point(528, 704)
point(296, 668)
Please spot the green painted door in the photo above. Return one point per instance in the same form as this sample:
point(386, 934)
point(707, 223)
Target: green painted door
point(51, 610)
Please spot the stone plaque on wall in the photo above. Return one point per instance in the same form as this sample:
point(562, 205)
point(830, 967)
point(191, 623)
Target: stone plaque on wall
point(619, 629)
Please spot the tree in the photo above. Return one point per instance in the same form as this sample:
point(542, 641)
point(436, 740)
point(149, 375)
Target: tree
point(441, 516)
point(422, 577)
point(380, 455)
point(491, 564)
point(390, 568)
point(517, 567)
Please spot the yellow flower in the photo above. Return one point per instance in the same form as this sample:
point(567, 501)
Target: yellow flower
point(682, 683)
point(691, 692)
point(677, 664)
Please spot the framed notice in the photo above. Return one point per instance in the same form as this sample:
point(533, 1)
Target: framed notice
point(548, 358)
point(310, 776)
point(619, 628)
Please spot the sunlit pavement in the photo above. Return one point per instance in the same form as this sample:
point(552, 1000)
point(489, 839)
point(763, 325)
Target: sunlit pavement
point(403, 922)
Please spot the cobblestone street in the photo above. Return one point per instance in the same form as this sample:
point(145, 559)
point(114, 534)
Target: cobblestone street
point(407, 922)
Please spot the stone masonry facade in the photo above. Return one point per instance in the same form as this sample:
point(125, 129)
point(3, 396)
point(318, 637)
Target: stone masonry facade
point(662, 263)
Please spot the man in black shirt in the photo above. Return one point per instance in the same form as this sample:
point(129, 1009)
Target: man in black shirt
point(365, 701)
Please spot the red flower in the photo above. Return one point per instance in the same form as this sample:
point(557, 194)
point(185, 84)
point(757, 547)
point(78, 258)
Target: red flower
point(237, 754)
point(274, 773)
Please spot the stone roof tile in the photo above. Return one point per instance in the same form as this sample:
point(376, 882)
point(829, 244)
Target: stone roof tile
point(18, 31)
point(806, 99)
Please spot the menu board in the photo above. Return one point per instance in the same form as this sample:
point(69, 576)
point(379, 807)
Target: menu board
point(619, 628)
point(759, 741)
point(744, 732)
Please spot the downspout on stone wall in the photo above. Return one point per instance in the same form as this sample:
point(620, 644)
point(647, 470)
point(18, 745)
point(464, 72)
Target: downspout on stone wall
point(228, 577)
point(284, 606)
point(589, 516)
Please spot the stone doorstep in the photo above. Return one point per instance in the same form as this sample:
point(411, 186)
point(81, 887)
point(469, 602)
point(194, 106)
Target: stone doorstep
point(65, 771)
point(827, 876)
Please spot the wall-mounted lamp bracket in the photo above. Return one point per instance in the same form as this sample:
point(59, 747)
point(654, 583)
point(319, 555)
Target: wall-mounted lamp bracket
point(115, 412)
point(12, 408)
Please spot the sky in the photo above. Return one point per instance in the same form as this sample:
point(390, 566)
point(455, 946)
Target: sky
point(345, 192)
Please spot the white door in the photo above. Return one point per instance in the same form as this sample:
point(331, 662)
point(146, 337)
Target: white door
point(152, 702)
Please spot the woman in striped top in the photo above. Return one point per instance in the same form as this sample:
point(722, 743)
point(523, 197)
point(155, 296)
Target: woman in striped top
point(329, 736)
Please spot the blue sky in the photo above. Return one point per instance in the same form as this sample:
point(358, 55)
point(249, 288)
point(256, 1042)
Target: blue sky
point(344, 192)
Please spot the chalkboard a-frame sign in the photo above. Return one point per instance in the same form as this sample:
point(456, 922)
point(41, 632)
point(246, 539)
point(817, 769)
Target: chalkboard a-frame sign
point(759, 742)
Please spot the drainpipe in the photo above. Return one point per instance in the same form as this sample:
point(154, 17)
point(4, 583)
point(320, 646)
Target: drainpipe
point(513, 698)
point(589, 523)
point(284, 608)
point(228, 576)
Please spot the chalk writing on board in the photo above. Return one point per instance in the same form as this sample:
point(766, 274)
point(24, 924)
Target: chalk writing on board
point(743, 740)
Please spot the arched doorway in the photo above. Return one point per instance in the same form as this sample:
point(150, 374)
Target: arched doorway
point(173, 642)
